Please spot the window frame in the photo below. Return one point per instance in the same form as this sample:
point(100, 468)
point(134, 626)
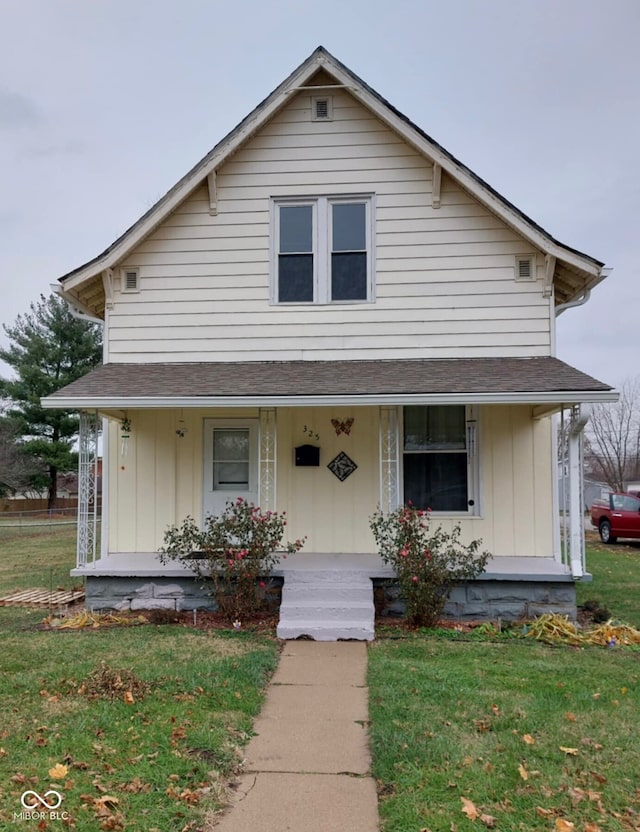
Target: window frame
point(322, 243)
point(472, 439)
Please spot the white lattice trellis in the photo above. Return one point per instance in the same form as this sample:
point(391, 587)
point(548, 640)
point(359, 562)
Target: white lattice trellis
point(389, 462)
point(267, 461)
point(87, 489)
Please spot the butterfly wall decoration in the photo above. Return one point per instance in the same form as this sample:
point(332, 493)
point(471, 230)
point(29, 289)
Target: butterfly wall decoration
point(342, 425)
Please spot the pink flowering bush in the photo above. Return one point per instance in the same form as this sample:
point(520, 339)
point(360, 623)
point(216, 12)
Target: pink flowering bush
point(235, 550)
point(427, 561)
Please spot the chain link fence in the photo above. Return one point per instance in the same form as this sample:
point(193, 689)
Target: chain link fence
point(43, 521)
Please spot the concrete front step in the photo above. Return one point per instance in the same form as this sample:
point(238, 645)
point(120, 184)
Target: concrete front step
point(326, 631)
point(327, 605)
point(334, 593)
point(357, 611)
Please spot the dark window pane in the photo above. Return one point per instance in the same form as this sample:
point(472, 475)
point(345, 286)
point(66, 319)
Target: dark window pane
point(296, 234)
point(436, 481)
point(230, 475)
point(349, 276)
point(434, 427)
point(349, 226)
point(295, 278)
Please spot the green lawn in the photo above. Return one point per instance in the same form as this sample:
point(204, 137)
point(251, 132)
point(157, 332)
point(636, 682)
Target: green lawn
point(154, 761)
point(534, 738)
point(30, 559)
point(616, 579)
point(529, 734)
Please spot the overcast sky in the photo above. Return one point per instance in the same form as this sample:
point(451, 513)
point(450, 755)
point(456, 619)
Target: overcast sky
point(105, 104)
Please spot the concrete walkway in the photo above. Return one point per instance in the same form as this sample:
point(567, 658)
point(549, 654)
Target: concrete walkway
point(307, 768)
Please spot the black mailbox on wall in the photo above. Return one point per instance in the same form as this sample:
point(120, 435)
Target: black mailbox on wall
point(307, 456)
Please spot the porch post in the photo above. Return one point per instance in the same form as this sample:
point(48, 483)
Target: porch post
point(87, 489)
point(579, 418)
point(267, 459)
point(389, 462)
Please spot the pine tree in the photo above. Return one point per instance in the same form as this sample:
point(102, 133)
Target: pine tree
point(48, 349)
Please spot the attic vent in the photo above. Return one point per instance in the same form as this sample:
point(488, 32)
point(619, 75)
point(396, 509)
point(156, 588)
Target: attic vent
point(321, 108)
point(525, 268)
point(130, 279)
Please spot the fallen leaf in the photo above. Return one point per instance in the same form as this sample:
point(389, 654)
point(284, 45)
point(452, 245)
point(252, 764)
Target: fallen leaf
point(563, 825)
point(523, 772)
point(570, 716)
point(469, 808)
point(576, 795)
point(105, 800)
point(544, 813)
point(572, 751)
point(495, 709)
point(528, 739)
point(592, 827)
point(488, 820)
point(128, 698)
point(58, 772)
point(599, 777)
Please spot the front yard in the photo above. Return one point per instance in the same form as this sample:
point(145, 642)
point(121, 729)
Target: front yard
point(467, 732)
point(136, 727)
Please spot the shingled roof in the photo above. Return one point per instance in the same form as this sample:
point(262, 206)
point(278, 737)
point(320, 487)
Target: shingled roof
point(296, 382)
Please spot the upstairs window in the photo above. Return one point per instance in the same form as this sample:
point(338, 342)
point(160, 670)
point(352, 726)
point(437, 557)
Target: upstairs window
point(322, 250)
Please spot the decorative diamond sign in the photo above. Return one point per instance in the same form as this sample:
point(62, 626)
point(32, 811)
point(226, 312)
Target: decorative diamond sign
point(342, 466)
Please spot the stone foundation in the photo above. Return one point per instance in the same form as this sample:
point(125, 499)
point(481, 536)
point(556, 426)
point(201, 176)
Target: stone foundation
point(483, 600)
point(479, 600)
point(153, 593)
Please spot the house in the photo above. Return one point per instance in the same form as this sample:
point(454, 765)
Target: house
point(327, 314)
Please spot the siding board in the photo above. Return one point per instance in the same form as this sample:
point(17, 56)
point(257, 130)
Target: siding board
point(444, 277)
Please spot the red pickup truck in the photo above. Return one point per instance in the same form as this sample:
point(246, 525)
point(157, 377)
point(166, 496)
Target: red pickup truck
point(618, 516)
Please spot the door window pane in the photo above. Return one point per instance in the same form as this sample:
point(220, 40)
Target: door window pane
point(231, 459)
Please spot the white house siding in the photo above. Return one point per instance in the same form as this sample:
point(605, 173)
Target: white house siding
point(444, 277)
point(160, 479)
point(516, 470)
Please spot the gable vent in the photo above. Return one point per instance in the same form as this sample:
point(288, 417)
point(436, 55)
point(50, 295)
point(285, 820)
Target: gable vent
point(321, 108)
point(130, 281)
point(525, 268)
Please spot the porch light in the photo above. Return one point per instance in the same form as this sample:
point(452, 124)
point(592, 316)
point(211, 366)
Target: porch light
point(125, 435)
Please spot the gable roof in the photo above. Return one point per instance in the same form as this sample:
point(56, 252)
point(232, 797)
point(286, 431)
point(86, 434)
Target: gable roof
point(573, 272)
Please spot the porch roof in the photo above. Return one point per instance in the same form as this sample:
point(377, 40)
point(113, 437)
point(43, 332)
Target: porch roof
point(539, 381)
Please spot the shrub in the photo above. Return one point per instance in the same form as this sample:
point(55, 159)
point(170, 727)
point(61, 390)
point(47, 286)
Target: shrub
point(235, 551)
point(427, 561)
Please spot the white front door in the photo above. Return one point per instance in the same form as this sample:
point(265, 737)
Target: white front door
point(230, 463)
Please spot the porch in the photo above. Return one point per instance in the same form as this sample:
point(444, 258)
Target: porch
point(331, 595)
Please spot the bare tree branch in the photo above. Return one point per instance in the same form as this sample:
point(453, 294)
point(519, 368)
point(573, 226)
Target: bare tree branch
point(612, 438)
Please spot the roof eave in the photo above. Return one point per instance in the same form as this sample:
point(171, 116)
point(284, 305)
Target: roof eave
point(563, 397)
